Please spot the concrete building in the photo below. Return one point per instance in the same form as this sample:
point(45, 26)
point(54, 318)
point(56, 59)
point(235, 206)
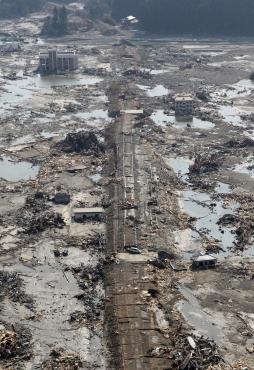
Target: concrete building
point(58, 61)
point(183, 105)
point(88, 214)
point(204, 261)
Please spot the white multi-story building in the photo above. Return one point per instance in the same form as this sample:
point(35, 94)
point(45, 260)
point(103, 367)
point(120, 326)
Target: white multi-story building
point(183, 105)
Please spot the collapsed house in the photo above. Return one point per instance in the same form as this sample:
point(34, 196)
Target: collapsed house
point(88, 214)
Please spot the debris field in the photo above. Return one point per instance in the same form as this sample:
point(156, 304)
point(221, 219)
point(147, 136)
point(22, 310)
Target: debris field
point(107, 198)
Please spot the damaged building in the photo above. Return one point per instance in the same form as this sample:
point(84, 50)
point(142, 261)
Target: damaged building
point(55, 61)
point(183, 105)
point(88, 214)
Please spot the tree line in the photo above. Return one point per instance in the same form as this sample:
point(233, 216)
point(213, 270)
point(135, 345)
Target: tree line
point(201, 17)
point(57, 24)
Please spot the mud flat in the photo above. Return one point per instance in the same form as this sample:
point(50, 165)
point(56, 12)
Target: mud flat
point(52, 290)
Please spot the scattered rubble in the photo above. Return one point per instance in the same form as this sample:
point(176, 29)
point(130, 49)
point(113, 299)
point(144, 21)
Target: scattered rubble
point(62, 360)
point(89, 279)
point(189, 352)
point(37, 216)
point(137, 73)
point(102, 72)
point(81, 142)
point(140, 192)
point(15, 345)
point(12, 286)
point(240, 143)
point(204, 164)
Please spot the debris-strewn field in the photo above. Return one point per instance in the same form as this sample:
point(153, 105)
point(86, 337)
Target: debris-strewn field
point(117, 290)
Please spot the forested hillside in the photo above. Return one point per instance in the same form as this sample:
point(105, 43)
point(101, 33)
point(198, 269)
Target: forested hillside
point(211, 17)
point(17, 8)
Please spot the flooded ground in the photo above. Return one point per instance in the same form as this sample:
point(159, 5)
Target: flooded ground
point(162, 119)
point(17, 171)
point(208, 212)
point(24, 88)
point(247, 167)
point(181, 167)
point(199, 319)
point(156, 91)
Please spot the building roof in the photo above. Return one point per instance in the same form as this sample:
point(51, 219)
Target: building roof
point(88, 210)
point(131, 18)
point(181, 98)
point(205, 257)
point(132, 111)
point(61, 53)
point(75, 168)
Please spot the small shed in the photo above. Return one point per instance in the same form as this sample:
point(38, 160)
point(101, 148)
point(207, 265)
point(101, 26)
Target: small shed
point(88, 214)
point(204, 261)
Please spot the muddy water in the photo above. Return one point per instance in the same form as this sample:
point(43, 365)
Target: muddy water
point(222, 188)
point(95, 115)
point(155, 72)
point(243, 87)
point(24, 140)
point(156, 91)
point(234, 94)
point(246, 167)
point(203, 322)
point(17, 171)
point(22, 89)
point(96, 177)
point(195, 123)
point(205, 210)
point(10, 202)
point(50, 135)
point(198, 205)
point(180, 165)
point(162, 119)
point(231, 114)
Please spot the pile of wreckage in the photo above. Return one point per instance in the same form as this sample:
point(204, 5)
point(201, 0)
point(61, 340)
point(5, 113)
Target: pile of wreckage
point(14, 345)
point(81, 141)
point(137, 73)
point(189, 353)
point(12, 287)
point(36, 216)
point(60, 360)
